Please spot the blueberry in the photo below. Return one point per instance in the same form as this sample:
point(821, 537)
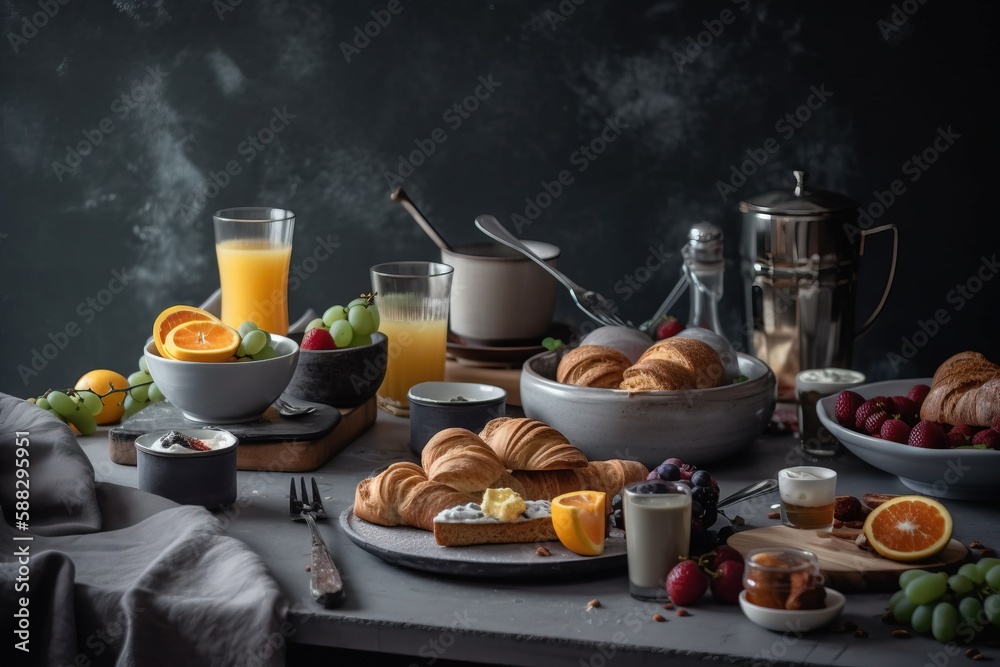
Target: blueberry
point(701, 478)
point(711, 515)
point(699, 494)
point(724, 533)
point(696, 509)
point(669, 472)
point(645, 488)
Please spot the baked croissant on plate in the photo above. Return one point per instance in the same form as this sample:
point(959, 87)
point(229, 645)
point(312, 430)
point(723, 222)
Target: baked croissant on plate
point(965, 390)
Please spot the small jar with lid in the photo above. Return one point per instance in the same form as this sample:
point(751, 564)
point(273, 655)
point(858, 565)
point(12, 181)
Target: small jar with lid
point(783, 578)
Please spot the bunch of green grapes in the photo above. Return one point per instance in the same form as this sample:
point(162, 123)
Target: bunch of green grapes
point(963, 605)
point(141, 390)
point(73, 406)
point(351, 325)
point(255, 344)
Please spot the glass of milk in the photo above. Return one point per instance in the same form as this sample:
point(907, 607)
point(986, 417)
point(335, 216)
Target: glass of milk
point(807, 497)
point(657, 534)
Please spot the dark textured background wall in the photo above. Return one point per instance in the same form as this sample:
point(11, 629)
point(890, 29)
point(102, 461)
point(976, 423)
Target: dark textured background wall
point(168, 94)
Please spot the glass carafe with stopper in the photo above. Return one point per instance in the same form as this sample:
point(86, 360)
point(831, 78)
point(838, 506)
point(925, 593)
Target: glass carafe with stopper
point(703, 267)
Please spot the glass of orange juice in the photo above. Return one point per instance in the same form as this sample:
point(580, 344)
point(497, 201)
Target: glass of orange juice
point(254, 248)
point(412, 300)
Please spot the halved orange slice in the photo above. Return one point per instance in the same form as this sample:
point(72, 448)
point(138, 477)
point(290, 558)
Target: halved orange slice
point(909, 528)
point(174, 316)
point(202, 341)
point(578, 519)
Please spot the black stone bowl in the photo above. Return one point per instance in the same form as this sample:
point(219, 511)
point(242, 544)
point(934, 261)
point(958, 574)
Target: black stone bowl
point(342, 378)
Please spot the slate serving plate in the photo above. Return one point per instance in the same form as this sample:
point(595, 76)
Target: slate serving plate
point(416, 549)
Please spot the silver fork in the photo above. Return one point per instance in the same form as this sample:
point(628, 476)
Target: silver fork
point(593, 304)
point(325, 583)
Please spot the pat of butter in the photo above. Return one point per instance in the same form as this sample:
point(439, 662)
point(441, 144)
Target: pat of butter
point(503, 504)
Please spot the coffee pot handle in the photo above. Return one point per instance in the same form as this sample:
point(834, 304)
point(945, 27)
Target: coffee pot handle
point(892, 273)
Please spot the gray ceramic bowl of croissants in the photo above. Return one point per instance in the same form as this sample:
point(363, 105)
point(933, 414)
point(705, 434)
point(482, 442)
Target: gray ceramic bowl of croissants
point(691, 396)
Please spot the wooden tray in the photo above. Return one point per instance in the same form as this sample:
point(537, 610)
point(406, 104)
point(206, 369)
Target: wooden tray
point(272, 443)
point(846, 567)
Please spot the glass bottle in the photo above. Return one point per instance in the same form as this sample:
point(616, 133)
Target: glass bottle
point(703, 265)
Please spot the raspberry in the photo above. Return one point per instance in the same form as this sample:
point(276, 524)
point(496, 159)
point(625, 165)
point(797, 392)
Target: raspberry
point(987, 437)
point(895, 430)
point(866, 410)
point(918, 393)
point(847, 405)
point(927, 435)
point(873, 425)
point(686, 583)
point(906, 409)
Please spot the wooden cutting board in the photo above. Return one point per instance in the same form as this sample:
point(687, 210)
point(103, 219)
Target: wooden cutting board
point(847, 568)
point(273, 443)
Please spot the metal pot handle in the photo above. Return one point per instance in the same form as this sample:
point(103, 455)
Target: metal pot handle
point(892, 273)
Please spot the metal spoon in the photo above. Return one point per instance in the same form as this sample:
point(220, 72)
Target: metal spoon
point(399, 196)
point(748, 492)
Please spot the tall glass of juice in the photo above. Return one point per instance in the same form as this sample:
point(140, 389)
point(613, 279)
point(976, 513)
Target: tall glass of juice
point(254, 248)
point(412, 299)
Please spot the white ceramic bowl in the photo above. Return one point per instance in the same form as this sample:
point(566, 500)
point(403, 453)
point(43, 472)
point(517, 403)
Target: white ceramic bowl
point(698, 426)
point(226, 392)
point(788, 620)
point(962, 474)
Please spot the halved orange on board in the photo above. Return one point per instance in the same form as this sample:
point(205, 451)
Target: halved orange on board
point(202, 341)
point(173, 317)
point(578, 519)
point(909, 528)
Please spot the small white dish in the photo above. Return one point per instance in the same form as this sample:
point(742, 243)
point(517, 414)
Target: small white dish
point(794, 620)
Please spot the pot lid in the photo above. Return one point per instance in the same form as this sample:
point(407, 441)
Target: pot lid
point(800, 201)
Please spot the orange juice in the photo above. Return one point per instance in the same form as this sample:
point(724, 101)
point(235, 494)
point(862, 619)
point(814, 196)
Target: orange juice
point(254, 277)
point(416, 354)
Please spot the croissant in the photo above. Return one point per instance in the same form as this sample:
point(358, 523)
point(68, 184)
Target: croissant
point(424, 501)
point(657, 375)
point(965, 390)
point(377, 498)
point(607, 476)
point(593, 366)
point(528, 444)
point(459, 458)
point(699, 358)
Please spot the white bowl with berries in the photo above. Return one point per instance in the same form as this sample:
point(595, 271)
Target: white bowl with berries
point(880, 424)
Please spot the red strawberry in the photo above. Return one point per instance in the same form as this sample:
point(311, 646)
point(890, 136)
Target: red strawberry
point(956, 439)
point(686, 583)
point(727, 582)
point(847, 406)
point(318, 339)
point(895, 430)
point(670, 326)
point(866, 410)
point(905, 408)
point(873, 425)
point(927, 435)
point(966, 430)
point(918, 393)
point(987, 437)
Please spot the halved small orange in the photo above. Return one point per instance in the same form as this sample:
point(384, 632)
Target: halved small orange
point(202, 341)
point(578, 519)
point(174, 316)
point(909, 528)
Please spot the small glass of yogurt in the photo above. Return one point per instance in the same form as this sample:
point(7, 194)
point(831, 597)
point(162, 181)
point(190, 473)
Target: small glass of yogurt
point(807, 495)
